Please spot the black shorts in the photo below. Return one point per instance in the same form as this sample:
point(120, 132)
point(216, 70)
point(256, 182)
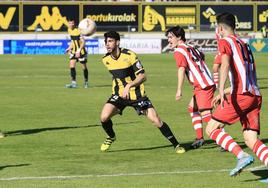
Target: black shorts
point(140, 105)
point(82, 59)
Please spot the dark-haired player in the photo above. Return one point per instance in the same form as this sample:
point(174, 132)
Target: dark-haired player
point(77, 52)
point(128, 90)
point(190, 62)
point(242, 101)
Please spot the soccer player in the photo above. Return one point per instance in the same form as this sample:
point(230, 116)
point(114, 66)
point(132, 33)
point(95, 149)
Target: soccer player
point(190, 62)
point(128, 90)
point(242, 101)
point(77, 52)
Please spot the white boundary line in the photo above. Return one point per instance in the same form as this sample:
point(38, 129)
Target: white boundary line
point(122, 174)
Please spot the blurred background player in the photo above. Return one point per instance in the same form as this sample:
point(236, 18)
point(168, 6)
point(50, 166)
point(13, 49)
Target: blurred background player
point(128, 90)
point(190, 62)
point(77, 52)
point(242, 101)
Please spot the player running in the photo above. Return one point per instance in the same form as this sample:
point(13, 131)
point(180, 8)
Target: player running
point(128, 90)
point(190, 62)
point(77, 52)
point(242, 101)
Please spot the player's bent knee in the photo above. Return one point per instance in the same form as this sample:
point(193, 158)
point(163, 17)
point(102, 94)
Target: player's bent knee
point(156, 121)
point(211, 126)
point(250, 138)
point(104, 118)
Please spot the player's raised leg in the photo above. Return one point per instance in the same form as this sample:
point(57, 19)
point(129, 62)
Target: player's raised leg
point(164, 129)
point(72, 74)
point(108, 111)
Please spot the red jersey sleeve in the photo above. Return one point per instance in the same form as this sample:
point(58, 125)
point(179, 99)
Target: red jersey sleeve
point(180, 60)
point(224, 47)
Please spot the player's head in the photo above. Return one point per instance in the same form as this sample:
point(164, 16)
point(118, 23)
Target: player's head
point(71, 23)
point(225, 22)
point(175, 35)
point(112, 40)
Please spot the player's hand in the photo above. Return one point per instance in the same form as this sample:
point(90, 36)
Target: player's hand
point(126, 92)
point(222, 99)
point(77, 54)
point(216, 101)
point(178, 95)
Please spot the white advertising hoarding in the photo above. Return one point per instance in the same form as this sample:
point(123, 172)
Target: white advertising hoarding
point(1, 47)
point(139, 46)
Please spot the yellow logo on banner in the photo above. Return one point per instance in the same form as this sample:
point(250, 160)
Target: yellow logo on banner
point(258, 45)
point(46, 21)
point(263, 16)
point(151, 19)
point(211, 15)
point(5, 20)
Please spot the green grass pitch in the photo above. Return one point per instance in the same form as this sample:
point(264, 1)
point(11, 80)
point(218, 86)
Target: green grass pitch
point(54, 134)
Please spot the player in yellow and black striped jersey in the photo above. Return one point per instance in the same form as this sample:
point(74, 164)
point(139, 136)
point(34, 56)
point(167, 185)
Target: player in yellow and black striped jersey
point(128, 90)
point(77, 52)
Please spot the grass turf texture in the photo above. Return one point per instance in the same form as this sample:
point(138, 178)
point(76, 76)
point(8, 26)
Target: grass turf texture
point(54, 131)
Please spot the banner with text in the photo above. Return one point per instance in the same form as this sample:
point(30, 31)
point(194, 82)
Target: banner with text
point(93, 46)
point(162, 17)
point(48, 18)
point(9, 17)
point(113, 17)
point(45, 46)
point(243, 15)
point(139, 46)
point(205, 45)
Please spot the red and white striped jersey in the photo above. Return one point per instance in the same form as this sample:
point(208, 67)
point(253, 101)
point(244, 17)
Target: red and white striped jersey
point(242, 72)
point(196, 69)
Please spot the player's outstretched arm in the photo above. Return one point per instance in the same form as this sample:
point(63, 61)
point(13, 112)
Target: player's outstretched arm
point(140, 78)
point(181, 75)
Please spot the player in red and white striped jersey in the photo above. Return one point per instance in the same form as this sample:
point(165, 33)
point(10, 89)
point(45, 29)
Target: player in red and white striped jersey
point(190, 62)
point(242, 101)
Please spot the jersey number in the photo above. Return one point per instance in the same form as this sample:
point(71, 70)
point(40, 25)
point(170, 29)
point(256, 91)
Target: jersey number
point(197, 57)
point(246, 52)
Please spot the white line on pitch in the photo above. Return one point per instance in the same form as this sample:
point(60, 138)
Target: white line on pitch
point(121, 174)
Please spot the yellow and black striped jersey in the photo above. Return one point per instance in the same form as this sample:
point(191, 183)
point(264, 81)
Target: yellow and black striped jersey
point(75, 40)
point(124, 70)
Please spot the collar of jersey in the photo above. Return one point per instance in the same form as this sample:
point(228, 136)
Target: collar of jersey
point(118, 55)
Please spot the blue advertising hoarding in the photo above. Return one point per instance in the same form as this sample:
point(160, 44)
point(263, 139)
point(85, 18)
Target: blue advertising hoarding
point(259, 45)
point(51, 47)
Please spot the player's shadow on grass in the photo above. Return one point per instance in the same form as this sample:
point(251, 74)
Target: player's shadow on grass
point(104, 85)
point(39, 130)
point(141, 149)
point(210, 144)
point(260, 85)
point(12, 166)
point(263, 87)
point(262, 174)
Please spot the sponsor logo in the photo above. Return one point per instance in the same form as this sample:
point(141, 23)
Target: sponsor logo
point(210, 15)
point(46, 21)
point(6, 19)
